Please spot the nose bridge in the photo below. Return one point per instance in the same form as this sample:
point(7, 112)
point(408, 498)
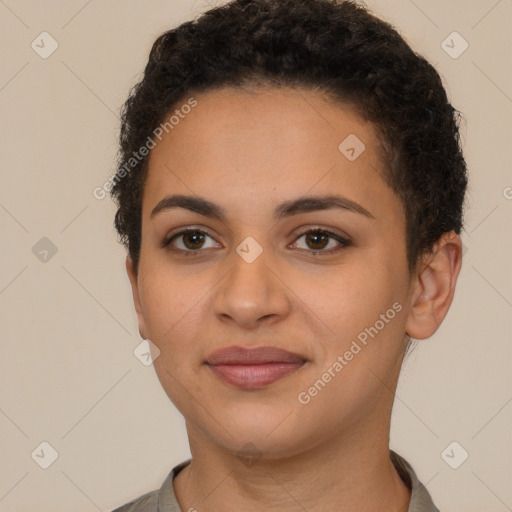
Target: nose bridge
point(251, 290)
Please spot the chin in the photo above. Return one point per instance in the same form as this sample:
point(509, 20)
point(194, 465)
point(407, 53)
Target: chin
point(258, 445)
point(269, 436)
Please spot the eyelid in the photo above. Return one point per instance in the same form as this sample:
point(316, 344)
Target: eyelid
point(331, 231)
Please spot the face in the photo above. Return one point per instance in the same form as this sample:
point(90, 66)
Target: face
point(324, 280)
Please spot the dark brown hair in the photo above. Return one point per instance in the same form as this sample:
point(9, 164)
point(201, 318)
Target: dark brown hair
point(330, 46)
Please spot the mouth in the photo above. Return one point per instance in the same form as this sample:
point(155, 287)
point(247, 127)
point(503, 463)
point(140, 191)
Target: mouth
point(253, 368)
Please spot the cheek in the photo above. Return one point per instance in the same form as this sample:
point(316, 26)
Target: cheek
point(168, 301)
point(361, 311)
point(345, 297)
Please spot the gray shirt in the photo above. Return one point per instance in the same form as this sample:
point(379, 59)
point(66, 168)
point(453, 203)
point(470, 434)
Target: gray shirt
point(164, 499)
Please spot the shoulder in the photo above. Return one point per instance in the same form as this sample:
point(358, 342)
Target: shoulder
point(421, 500)
point(160, 499)
point(146, 503)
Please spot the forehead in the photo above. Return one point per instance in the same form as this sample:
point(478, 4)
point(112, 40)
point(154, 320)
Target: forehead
point(262, 145)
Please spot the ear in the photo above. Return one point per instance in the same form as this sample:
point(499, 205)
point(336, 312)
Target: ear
point(432, 289)
point(130, 269)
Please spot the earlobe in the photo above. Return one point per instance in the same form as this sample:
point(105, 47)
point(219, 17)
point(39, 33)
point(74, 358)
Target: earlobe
point(432, 290)
point(132, 275)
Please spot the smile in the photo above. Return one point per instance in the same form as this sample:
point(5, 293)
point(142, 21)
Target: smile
point(253, 376)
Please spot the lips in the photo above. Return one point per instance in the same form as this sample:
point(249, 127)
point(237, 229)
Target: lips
point(253, 368)
point(261, 355)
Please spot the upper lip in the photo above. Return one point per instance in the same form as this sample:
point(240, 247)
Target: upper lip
point(259, 355)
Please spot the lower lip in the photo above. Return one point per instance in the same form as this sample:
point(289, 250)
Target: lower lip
point(255, 375)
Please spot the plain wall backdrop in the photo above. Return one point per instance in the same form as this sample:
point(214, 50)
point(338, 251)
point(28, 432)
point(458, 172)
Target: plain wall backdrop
point(68, 374)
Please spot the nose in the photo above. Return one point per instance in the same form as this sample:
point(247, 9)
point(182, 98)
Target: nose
point(252, 293)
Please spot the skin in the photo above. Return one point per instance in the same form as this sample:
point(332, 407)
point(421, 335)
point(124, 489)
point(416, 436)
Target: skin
point(248, 151)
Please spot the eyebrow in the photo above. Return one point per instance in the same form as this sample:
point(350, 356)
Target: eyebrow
point(304, 204)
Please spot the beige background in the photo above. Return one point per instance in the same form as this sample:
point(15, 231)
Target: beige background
point(68, 374)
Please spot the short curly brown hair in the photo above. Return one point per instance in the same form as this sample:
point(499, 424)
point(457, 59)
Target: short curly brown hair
point(332, 46)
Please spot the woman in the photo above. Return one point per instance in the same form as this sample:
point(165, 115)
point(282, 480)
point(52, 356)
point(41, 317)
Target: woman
point(290, 192)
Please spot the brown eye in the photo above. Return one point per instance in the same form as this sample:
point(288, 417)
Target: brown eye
point(193, 240)
point(318, 239)
point(188, 241)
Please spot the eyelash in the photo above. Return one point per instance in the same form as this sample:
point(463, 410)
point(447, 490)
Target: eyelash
point(344, 242)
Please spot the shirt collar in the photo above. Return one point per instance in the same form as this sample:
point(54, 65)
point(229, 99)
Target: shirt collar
point(421, 501)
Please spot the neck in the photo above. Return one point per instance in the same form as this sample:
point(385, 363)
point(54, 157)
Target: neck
point(348, 473)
